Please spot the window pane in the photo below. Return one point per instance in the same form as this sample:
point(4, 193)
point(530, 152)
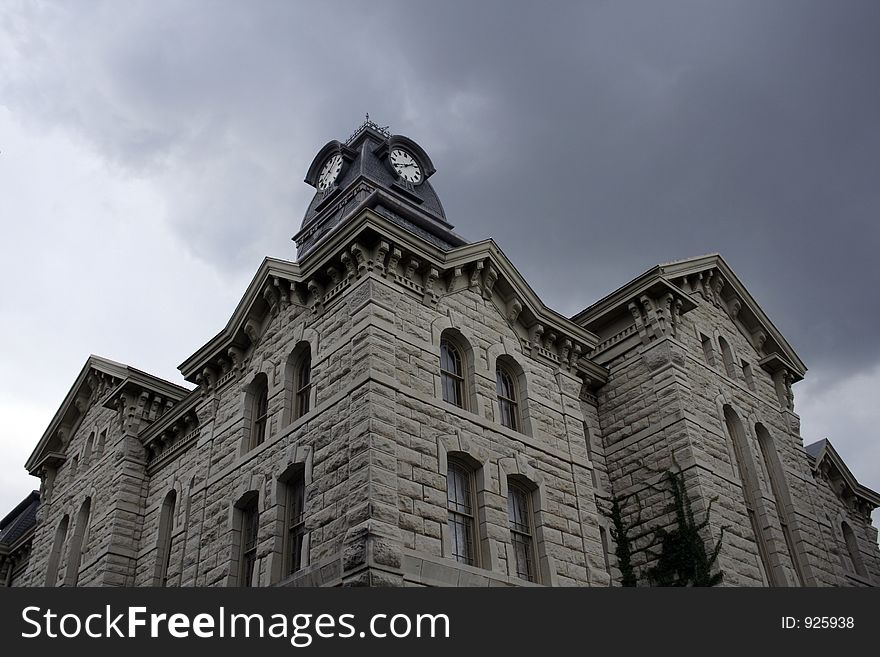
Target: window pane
point(522, 550)
point(250, 523)
point(518, 511)
point(295, 524)
point(458, 490)
point(461, 521)
point(461, 532)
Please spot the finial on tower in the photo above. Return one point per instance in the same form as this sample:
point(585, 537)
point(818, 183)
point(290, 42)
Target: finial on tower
point(382, 130)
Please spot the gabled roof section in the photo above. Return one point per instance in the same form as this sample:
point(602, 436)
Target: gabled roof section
point(96, 378)
point(371, 241)
point(822, 453)
point(712, 278)
point(232, 335)
point(740, 304)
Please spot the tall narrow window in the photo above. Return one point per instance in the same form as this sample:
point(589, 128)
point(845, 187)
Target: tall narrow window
point(751, 492)
point(852, 547)
point(87, 453)
point(748, 376)
point(259, 409)
point(102, 442)
point(519, 514)
point(296, 526)
point(452, 373)
point(460, 496)
point(708, 352)
point(74, 467)
point(250, 525)
point(781, 498)
point(727, 358)
point(507, 401)
point(303, 383)
point(79, 539)
point(57, 548)
point(163, 545)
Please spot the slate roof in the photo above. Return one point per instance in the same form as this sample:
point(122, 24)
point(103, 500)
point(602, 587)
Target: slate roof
point(814, 449)
point(20, 520)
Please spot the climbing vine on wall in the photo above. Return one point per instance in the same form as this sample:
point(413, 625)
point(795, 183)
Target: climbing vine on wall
point(623, 546)
point(683, 559)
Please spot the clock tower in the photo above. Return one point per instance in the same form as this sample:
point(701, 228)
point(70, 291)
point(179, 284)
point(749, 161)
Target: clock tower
point(373, 169)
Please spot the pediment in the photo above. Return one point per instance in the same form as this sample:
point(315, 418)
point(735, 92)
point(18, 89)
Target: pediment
point(95, 384)
point(707, 278)
point(713, 279)
point(371, 244)
point(828, 464)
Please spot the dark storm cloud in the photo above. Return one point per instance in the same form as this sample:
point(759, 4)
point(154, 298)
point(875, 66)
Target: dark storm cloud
point(592, 140)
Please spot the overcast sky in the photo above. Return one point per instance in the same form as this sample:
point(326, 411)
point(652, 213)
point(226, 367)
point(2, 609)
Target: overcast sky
point(151, 153)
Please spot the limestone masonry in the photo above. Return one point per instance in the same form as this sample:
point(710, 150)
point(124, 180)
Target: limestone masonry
point(397, 407)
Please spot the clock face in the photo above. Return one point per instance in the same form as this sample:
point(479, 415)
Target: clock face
point(406, 166)
point(329, 172)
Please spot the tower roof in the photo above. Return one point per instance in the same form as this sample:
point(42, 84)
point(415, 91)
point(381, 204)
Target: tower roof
point(378, 170)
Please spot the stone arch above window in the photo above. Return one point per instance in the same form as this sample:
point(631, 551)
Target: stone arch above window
point(292, 538)
point(511, 404)
point(747, 470)
point(78, 541)
point(457, 384)
point(457, 450)
point(57, 549)
point(256, 411)
point(463, 510)
point(517, 473)
point(781, 498)
point(87, 450)
point(708, 350)
point(852, 549)
point(164, 538)
point(299, 390)
point(727, 357)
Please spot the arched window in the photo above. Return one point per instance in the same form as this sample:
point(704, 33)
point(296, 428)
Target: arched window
point(302, 379)
point(55, 554)
point(460, 504)
point(519, 513)
point(727, 357)
point(259, 409)
point(852, 547)
point(452, 372)
point(295, 525)
point(751, 492)
point(708, 351)
point(247, 526)
point(79, 539)
point(102, 443)
point(508, 404)
point(779, 488)
point(163, 545)
point(87, 453)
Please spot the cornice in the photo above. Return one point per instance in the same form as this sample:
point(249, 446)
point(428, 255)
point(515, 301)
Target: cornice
point(366, 242)
point(827, 454)
point(98, 378)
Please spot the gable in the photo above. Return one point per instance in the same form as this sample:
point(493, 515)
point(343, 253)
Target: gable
point(96, 381)
point(652, 302)
point(828, 464)
point(371, 244)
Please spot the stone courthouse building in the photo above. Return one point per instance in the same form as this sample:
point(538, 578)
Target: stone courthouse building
point(398, 407)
